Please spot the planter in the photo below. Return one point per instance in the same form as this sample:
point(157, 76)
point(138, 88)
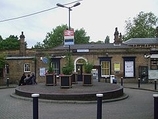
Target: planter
point(87, 80)
point(74, 78)
point(51, 80)
point(65, 81)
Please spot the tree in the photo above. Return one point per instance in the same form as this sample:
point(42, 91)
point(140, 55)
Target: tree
point(2, 60)
point(142, 26)
point(56, 37)
point(107, 39)
point(99, 42)
point(38, 45)
point(80, 37)
point(10, 43)
point(1, 38)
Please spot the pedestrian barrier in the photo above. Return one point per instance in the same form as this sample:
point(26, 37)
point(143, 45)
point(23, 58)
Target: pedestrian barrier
point(99, 106)
point(35, 105)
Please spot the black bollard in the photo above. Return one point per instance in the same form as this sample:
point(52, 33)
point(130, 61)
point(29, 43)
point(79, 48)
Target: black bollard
point(99, 106)
point(7, 82)
point(121, 81)
point(155, 82)
point(35, 105)
point(106, 79)
point(138, 82)
point(155, 106)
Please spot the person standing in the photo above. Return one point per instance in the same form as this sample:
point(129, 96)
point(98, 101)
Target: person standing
point(33, 79)
point(27, 80)
point(21, 82)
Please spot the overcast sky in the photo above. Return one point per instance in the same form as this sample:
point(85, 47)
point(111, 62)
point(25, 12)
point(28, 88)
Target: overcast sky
point(98, 17)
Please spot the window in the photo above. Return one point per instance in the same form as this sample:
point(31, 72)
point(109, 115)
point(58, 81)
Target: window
point(7, 69)
point(27, 67)
point(1, 72)
point(154, 64)
point(105, 68)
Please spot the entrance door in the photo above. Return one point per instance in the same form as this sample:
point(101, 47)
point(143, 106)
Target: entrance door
point(143, 74)
point(79, 70)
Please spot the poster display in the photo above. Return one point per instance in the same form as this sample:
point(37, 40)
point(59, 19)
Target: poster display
point(116, 66)
point(42, 71)
point(129, 69)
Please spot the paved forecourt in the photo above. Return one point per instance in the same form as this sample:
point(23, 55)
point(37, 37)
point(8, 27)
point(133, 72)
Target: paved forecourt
point(139, 105)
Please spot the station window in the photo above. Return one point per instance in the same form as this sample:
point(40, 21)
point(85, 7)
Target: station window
point(1, 72)
point(154, 63)
point(27, 67)
point(105, 68)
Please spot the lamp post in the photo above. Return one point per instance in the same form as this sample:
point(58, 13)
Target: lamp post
point(69, 8)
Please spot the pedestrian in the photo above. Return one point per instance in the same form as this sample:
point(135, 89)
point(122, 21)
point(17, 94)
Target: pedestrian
point(27, 80)
point(33, 79)
point(21, 82)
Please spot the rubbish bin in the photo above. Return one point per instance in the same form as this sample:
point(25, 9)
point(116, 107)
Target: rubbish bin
point(112, 78)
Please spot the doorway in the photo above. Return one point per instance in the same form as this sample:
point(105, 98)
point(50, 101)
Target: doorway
point(78, 66)
point(79, 70)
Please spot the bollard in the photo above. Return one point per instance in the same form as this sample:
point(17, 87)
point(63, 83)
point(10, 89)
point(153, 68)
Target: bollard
point(138, 82)
point(121, 81)
point(7, 82)
point(35, 105)
point(155, 82)
point(106, 79)
point(99, 105)
point(155, 106)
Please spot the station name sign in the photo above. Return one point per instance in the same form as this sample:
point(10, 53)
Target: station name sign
point(82, 50)
point(69, 37)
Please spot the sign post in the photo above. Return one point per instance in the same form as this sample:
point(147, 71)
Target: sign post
point(68, 37)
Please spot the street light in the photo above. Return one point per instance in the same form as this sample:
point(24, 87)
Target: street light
point(69, 8)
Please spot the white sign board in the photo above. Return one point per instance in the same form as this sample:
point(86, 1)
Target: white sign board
point(129, 69)
point(82, 50)
point(42, 71)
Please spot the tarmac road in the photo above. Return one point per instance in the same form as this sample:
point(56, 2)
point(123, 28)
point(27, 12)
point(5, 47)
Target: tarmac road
point(139, 105)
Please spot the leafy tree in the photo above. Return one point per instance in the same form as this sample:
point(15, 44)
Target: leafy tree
point(10, 43)
point(142, 26)
point(80, 37)
point(38, 45)
point(56, 37)
point(69, 67)
point(99, 42)
point(107, 39)
point(1, 38)
point(2, 60)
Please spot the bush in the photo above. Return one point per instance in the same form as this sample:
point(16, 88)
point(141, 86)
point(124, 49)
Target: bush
point(88, 67)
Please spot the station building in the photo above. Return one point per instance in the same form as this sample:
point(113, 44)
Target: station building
point(132, 59)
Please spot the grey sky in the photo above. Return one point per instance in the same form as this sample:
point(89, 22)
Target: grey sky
point(98, 17)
